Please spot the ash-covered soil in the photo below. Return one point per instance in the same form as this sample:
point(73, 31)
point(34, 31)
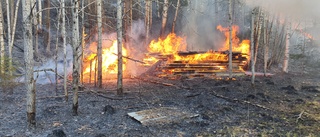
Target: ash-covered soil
point(281, 105)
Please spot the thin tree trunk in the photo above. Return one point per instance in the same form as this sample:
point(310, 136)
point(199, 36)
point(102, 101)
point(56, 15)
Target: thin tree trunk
point(9, 31)
point(175, 16)
point(230, 38)
point(2, 48)
point(99, 47)
point(76, 52)
point(38, 29)
point(82, 40)
point(150, 15)
point(147, 19)
point(265, 43)
point(13, 35)
point(56, 49)
point(48, 23)
point(119, 39)
point(275, 42)
point(64, 44)
point(286, 51)
point(158, 8)
point(164, 18)
point(28, 55)
point(258, 34)
point(252, 45)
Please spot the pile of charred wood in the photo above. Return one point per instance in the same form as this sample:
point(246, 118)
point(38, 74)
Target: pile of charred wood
point(199, 64)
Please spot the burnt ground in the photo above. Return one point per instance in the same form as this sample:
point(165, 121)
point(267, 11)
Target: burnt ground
point(281, 105)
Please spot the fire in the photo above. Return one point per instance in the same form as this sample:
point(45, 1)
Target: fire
point(170, 45)
point(243, 47)
point(109, 61)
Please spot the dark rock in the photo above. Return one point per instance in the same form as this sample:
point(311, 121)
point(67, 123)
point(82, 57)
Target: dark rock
point(109, 110)
point(290, 87)
point(57, 133)
point(292, 92)
point(250, 96)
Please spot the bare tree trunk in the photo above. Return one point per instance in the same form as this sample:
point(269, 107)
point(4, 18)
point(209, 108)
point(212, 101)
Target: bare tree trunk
point(258, 34)
point(147, 19)
point(47, 38)
point(119, 39)
point(265, 43)
point(9, 31)
point(175, 16)
point(76, 56)
point(12, 35)
point(2, 48)
point(252, 46)
point(150, 15)
point(64, 44)
point(164, 18)
point(230, 38)
point(158, 8)
point(36, 45)
point(127, 20)
point(56, 49)
point(82, 40)
point(286, 51)
point(99, 47)
point(28, 55)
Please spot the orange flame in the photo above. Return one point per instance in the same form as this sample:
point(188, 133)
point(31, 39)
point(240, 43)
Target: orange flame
point(170, 45)
point(109, 60)
point(243, 47)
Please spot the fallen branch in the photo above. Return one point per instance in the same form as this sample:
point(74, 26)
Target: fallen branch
point(135, 60)
point(51, 71)
point(51, 97)
point(108, 97)
point(239, 101)
point(300, 116)
point(162, 83)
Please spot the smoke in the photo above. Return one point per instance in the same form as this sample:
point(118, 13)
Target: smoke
point(200, 26)
point(45, 77)
point(137, 47)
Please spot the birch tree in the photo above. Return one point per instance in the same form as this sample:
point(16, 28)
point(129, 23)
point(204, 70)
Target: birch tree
point(147, 18)
point(119, 40)
point(8, 21)
point(265, 43)
point(83, 35)
point(99, 47)
point(286, 51)
point(13, 35)
point(76, 56)
point(56, 48)
point(164, 18)
point(230, 38)
point(252, 45)
point(35, 23)
point(47, 38)
point(258, 33)
point(1, 42)
point(175, 16)
point(28, 55)
point(64, 44)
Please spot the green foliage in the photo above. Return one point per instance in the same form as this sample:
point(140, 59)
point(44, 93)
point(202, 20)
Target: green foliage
point(7, 81)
